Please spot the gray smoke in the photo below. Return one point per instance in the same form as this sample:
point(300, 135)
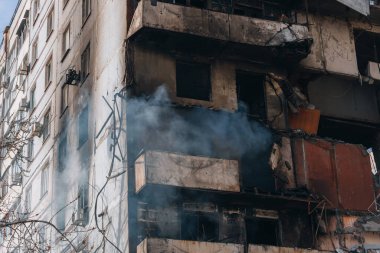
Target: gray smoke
point(155, 124)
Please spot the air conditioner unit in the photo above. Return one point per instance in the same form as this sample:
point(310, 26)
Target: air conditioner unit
point(5, 83)
point(37, 129)
point(24, 70)
point(72, 77)
point(24, 104)
point(77, 217)
point(17, 178)
point(373, 70)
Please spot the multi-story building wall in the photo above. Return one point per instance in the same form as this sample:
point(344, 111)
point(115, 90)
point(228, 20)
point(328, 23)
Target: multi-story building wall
point(190, 126)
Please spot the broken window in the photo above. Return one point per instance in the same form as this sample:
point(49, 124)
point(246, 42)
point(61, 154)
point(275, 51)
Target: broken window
point(199, 226)
point(232, 227)
point(367, 47)
point(250, 93)
point(193, 80)
point(262, 231)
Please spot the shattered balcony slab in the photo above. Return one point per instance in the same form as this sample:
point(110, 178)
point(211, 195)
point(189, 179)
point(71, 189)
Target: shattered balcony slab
point(152, 245)
point(274, 249)
point(167, 21)
point(163, 168)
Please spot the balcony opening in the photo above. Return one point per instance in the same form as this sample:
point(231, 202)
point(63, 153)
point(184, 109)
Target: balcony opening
point(193, 3)
point(262, 231)
point(367, 47)
point(193, 80)
point(353, 132)
point(199, 226)
point(251, 94)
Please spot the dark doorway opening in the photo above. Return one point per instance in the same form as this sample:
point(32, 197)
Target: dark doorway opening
point(262, 231)
point(251, 93)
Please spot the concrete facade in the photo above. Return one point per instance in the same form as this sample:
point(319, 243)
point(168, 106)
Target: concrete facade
point(184, 126)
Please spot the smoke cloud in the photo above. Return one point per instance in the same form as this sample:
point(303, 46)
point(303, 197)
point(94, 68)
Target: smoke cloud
point(197, 131)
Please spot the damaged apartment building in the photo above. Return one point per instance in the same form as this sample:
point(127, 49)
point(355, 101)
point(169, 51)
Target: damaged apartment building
point(149, 126)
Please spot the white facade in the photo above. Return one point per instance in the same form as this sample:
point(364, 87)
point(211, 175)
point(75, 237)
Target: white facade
point(62, 36)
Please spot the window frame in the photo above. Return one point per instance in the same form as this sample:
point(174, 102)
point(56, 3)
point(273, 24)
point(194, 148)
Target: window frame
point(34, 51)
point(66, 40)
point(28, 199)
point(32, 98)
point(49, 72)
point(36, 10)
point(85, 63)
point(65, 2)
point(83, 118)
point(86, 10)
point(50, 23)
point(46, 125)
point(65, 91)
point(44, 180)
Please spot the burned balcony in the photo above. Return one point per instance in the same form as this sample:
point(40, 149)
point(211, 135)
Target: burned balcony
point(176, 27)
point(273, 249)
point(152, 245)
point(163, 168)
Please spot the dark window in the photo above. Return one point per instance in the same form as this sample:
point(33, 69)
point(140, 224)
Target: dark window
point(62, 154)
point(193, 80)
point(83, 126)
point(367, 49)
point(262, 231)
point(250, 93)
point(46, 126)
point(85, 63)
point(199, 226)
point(64, 98)
point(86, 9)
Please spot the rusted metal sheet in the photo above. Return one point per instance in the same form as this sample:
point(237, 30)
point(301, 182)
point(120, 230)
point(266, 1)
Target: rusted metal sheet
point(305, 119)
point(341, 173)
point(314, 168)
point(153, 245)
point(355, 188)
point(156, 167)
point(274, 249)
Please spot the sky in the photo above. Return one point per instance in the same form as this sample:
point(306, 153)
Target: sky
point(7, 7)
